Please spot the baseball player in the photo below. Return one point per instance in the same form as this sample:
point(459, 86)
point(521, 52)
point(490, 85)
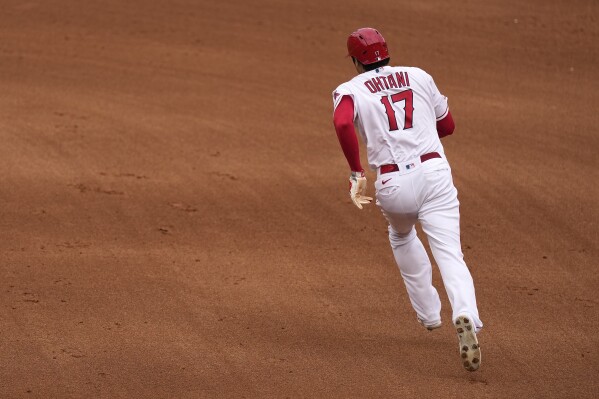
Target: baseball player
point(401, 116)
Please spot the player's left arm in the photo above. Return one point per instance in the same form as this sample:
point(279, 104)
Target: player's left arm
point(343, 120)
point(445, 126)
point(445, 123)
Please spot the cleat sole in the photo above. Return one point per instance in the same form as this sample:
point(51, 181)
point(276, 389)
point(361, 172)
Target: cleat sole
point(469, 347)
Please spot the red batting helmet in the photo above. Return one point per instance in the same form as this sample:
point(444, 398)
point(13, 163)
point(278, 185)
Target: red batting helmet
point(367, 45)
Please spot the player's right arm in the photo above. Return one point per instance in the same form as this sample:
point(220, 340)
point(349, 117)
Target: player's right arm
point(343, 120)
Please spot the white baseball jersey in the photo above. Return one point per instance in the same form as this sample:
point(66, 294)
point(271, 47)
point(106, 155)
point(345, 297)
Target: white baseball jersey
point(395, 110)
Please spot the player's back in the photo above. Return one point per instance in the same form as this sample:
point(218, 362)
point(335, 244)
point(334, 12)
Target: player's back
point(396, 112)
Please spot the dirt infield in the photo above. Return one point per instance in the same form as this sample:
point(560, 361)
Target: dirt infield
point(174, 221)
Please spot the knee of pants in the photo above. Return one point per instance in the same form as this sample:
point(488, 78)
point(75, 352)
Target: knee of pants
point(397, 239)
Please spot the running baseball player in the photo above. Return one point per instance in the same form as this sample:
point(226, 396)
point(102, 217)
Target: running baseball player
point(401, 116)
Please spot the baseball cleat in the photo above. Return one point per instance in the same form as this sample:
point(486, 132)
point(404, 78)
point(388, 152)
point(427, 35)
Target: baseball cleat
point(469, 348)
point(430, 327)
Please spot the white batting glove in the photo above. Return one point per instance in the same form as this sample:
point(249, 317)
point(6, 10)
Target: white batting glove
point(357, 189)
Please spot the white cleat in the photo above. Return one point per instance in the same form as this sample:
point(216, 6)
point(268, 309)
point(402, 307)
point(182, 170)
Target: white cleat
point(469, 348)
point(430, 327)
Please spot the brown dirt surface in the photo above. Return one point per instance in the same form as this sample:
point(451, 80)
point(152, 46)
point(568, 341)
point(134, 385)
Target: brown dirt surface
point(174, 221)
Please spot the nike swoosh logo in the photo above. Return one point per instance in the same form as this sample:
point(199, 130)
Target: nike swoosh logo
point(386, 181)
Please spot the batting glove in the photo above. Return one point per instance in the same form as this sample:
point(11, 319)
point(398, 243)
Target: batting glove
point(357, 189)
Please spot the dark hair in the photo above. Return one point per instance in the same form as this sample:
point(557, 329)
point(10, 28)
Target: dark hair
point(376, 65)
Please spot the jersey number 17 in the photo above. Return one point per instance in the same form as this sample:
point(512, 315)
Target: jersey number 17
point(408, 97)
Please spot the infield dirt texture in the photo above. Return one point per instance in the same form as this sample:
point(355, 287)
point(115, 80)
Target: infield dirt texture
point(174, 215)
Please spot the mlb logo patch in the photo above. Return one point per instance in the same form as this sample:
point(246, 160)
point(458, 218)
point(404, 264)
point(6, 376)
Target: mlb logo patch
point(410, 166)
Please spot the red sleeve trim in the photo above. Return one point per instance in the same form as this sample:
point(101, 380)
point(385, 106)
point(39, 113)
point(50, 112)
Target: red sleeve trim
point(445, 126)
point(343, 119)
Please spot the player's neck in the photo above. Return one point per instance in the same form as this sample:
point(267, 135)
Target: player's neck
point(359, 67)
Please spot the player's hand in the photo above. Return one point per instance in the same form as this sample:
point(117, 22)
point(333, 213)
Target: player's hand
point(357, 189)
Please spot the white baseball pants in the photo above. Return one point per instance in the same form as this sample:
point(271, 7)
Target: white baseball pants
point(424, 192)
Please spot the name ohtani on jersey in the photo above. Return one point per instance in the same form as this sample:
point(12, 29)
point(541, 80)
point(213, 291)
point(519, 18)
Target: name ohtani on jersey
point(391, 81)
